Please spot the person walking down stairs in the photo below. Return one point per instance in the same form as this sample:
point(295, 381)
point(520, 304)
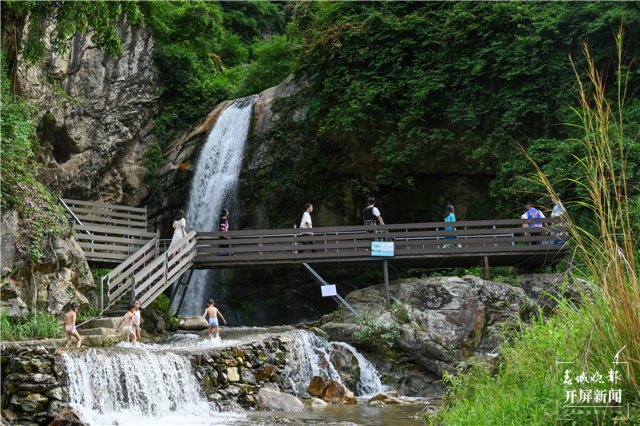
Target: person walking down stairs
point(179, 223)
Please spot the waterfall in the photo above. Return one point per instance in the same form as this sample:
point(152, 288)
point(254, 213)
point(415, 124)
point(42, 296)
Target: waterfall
point(313, 356)
point(137, 387)
point(214, 185)
point(369, 384)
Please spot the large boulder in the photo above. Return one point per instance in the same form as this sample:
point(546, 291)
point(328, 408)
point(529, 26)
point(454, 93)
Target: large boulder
point(194, 323)
point(271, 400)
point(446, 320)
point(68, 418)
point(331, 391)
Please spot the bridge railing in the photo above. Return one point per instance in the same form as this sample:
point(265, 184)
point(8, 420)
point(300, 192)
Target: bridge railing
point(285, 245)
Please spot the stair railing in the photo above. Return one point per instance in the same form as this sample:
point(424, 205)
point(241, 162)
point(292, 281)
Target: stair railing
point(122, 277)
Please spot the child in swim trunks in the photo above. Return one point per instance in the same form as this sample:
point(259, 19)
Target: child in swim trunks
point(213, 319)
point(138, 319)
point(70, 325)
point(130, 326)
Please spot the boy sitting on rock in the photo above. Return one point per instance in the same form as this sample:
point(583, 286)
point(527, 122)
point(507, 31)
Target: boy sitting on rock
point(129, 324)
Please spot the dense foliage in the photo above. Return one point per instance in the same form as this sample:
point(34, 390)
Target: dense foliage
point(203, 54)
point(66, 18)
point(16, 138)
point(455, 84)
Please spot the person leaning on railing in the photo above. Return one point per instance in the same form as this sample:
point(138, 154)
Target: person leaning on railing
point(531, 212)
point(558, 211)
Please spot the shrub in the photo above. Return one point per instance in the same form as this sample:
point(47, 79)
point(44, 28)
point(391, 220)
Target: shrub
point(17, 138)
point(375, 334)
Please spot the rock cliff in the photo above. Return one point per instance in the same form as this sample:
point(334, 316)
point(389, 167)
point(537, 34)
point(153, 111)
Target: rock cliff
point(59, 277)
point(445, 321)
point(95, 116)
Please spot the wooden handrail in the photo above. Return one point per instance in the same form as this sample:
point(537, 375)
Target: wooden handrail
point(102, 205)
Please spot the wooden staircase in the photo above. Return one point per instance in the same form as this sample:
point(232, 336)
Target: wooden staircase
point(116, 237)
point(146, 274)
point(108, 233)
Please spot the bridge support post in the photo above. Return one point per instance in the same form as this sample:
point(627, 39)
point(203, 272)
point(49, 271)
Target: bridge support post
point(175, 292)
point(487, 271)
point(321, 281)
point(386, 281)
point(184, 292)
point(101, 293)
point(133, 288)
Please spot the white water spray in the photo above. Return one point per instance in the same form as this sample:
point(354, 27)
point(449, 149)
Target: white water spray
point(214, 183)
point(137, 387)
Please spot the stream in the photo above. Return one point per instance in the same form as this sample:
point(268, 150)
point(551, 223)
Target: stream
point(155, 383)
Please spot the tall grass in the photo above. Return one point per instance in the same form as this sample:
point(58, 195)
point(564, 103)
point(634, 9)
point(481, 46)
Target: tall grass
point(607, 256)
point(32, 325)
point(605, 326)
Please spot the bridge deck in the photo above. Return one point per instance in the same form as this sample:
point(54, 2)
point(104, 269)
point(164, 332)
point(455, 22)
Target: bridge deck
point(423, 245)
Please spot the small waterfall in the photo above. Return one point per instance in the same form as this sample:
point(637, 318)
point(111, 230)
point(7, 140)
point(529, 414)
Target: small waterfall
point(314, 357)
point(214, 185)
point(137, 387)
point(369, 384)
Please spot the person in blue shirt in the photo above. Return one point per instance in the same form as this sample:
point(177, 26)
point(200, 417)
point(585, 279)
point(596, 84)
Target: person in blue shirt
point(531, 212)
point(450, 216)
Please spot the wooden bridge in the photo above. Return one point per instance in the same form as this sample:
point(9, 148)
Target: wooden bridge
point(117, 236)
point(417, 245)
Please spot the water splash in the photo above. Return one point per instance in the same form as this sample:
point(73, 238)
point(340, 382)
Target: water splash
point(137, 387)
point(214, 184)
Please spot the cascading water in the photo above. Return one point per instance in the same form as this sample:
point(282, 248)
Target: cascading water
point(214, 184)
point(314, 357)
point(369, 383)
point(137, 387)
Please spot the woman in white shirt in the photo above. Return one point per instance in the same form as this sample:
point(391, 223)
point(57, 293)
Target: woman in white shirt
point(179, 222)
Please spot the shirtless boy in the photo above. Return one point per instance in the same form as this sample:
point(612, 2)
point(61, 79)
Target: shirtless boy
point(213, 319)
point(138, 319)
point(130, 325)
point(70, 325)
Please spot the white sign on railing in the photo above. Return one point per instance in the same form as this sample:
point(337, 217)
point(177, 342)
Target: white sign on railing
point(379, 248)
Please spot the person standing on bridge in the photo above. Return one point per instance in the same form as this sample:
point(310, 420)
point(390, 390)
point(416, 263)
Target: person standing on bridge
point(179, 223)
point(450, 216)
point(305, 223)
point(224, 227)
point(371, 213)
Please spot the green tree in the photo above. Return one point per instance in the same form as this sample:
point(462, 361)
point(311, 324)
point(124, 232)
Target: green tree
point(274, 61)
point(70, 17)
point(458, 84)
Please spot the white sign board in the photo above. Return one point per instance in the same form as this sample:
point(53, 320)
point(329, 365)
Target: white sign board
point(379, 248)
point(329, 290)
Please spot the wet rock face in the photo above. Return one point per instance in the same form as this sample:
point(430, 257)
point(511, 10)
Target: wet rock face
point(331, 391)
point(33, 384)
point(60, 277)
point(269, 399)
point(444, 321)
point(94, 141)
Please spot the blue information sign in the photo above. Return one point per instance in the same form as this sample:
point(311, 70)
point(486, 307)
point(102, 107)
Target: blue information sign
point(379, 248)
